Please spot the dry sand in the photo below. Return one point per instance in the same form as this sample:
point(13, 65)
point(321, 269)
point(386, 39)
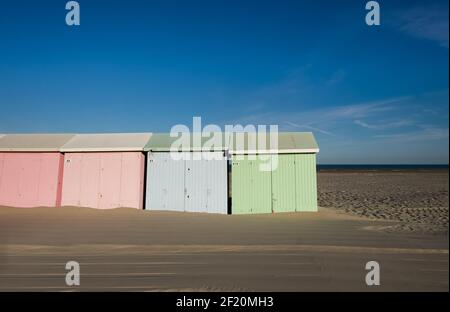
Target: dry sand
point(132, 250)
point(418, 199)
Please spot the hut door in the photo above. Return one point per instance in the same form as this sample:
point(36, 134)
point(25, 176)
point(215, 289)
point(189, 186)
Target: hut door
point(283, 183)
point(195, 183)
point(165, 182)
point(206, 182)
point(240, 182)
point(216, 183)
point(251, 186)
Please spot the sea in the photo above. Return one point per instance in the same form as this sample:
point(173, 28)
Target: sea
point(381, 167)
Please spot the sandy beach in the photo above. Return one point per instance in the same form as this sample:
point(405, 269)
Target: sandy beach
point(418, 199)
point(397, 219)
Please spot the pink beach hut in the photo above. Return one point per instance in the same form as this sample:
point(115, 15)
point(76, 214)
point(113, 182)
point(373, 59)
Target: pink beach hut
point(31, 169)
point(104, 170)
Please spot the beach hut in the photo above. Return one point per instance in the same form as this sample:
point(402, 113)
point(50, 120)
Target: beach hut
point(190, 177)
point(104, 170)
point(31, 169)
point(267, 178)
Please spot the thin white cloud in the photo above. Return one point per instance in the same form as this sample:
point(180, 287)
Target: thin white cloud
point(426, 134)
point(364, 109)
point(293, 86)
point(309, 127)
point(430, 23)
point(384, 125)
point(322, 120)
point(336, 78)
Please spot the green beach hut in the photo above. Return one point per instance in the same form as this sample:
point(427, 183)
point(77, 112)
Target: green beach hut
point(270, 175)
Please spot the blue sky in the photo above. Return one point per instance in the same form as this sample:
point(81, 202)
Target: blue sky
point(369, 94)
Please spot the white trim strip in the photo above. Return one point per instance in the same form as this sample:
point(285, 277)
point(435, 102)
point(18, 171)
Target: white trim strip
point(105, 149)
point(274, 151)
point(31, 150)
point(243, 152)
